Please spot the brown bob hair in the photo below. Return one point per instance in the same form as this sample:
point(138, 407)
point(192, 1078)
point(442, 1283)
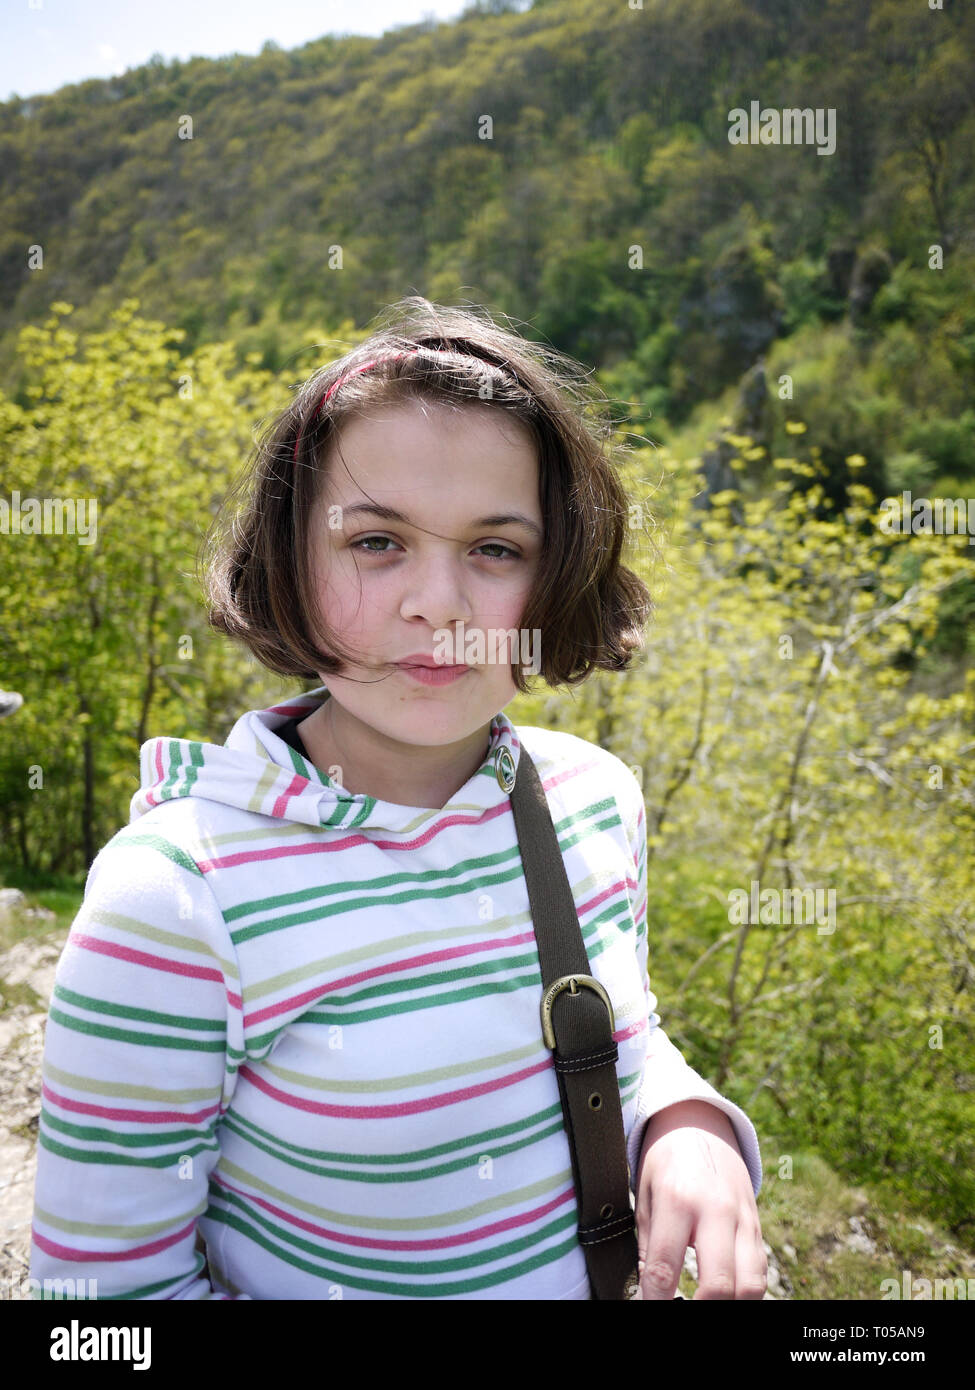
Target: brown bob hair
point(589, 608)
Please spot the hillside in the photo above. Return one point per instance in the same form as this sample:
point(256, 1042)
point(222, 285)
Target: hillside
point(570, 164)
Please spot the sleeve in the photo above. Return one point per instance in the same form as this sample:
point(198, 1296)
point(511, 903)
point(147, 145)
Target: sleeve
point(667, 1077)
point(143, 1038)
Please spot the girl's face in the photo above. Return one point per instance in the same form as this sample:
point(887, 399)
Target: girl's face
point(453, 562)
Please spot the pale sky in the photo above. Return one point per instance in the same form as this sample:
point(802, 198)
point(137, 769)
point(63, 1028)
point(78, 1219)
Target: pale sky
point(47, 43)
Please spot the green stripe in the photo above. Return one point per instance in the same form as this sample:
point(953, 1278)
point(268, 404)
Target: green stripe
point(126, 1160)
point(165, 792)
point(364, 813)
point(102, 1006)
point(145, 1291)
point(125, 1089)
point(408, 1081)
point(126, 837)
point(370, 900)
point(344, 806)
point(267, 779)
point(191, 771)
point(406, 1006)
point(304, 769)
point(139, 1140)
point(96, 1030)
point(432, 977)
point(277, 830)
point(479, 1140)
point(468, 1160)
point(93, 1228)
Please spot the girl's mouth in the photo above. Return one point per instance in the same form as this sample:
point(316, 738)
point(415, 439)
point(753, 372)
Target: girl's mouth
point(434, 675)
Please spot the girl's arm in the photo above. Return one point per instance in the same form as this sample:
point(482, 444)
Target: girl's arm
point(667, 1077)
point(144, 1036)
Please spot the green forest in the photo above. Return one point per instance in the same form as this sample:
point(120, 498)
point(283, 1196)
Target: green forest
point(787, 339)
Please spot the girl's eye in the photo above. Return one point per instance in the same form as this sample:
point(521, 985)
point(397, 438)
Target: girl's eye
point(488, 545)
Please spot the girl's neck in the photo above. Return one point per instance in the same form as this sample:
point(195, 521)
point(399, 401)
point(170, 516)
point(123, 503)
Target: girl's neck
point(371, 763)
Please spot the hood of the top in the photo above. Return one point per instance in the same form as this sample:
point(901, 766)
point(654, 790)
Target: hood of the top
point(255, 770)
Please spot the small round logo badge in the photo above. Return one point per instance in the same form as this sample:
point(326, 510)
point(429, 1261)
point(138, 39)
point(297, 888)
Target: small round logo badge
point(504, 768)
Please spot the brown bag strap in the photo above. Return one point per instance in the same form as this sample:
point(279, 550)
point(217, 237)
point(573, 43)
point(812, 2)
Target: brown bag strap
point(577, 1023)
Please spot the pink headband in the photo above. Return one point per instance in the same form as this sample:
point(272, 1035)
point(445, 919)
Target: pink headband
point(336, 384)
point(390, 357)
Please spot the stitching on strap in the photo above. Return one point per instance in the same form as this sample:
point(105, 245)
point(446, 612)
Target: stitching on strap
point(624, 1223)
point(595, 1059)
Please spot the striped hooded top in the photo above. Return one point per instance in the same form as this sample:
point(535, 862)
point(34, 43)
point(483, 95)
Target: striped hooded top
point(294, 1049)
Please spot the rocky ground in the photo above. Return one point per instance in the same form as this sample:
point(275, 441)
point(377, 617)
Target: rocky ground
point(26, 980)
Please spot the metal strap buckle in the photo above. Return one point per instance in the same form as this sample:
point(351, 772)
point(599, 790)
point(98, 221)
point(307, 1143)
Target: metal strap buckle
point(571, 983)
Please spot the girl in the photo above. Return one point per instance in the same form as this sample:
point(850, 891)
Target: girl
point(294, 1048)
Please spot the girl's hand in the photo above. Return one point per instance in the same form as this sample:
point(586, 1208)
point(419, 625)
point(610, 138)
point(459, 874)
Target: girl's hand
point(693, 1189)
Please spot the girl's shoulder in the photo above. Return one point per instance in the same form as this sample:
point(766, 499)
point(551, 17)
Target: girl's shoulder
point(181, 829)
point(554, 750)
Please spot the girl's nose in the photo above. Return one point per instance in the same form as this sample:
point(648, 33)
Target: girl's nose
point(436, 590)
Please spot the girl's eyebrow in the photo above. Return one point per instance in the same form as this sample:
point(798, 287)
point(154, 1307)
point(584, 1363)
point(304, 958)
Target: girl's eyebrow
point(390, 514)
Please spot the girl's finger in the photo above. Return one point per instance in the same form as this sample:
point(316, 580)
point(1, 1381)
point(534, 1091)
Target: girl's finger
point(669, 1236)
point(751, 1263)
point(716, 1248)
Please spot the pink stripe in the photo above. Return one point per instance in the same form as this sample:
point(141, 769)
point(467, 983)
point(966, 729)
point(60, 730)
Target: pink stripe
point(561, 777)
point(70, 1252)
point(172, 967)
point(385, 1112)
point(347, 842)
point(390, 968)
point(607, 893)
point(289, 710)
point(371, 1243)
point(159, 775)
point(109, 1112)
point(621, 1034)
point(296, 785)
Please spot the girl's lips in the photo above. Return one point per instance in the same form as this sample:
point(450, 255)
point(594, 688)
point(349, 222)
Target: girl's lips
point(423, 659)
point(434, 675)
